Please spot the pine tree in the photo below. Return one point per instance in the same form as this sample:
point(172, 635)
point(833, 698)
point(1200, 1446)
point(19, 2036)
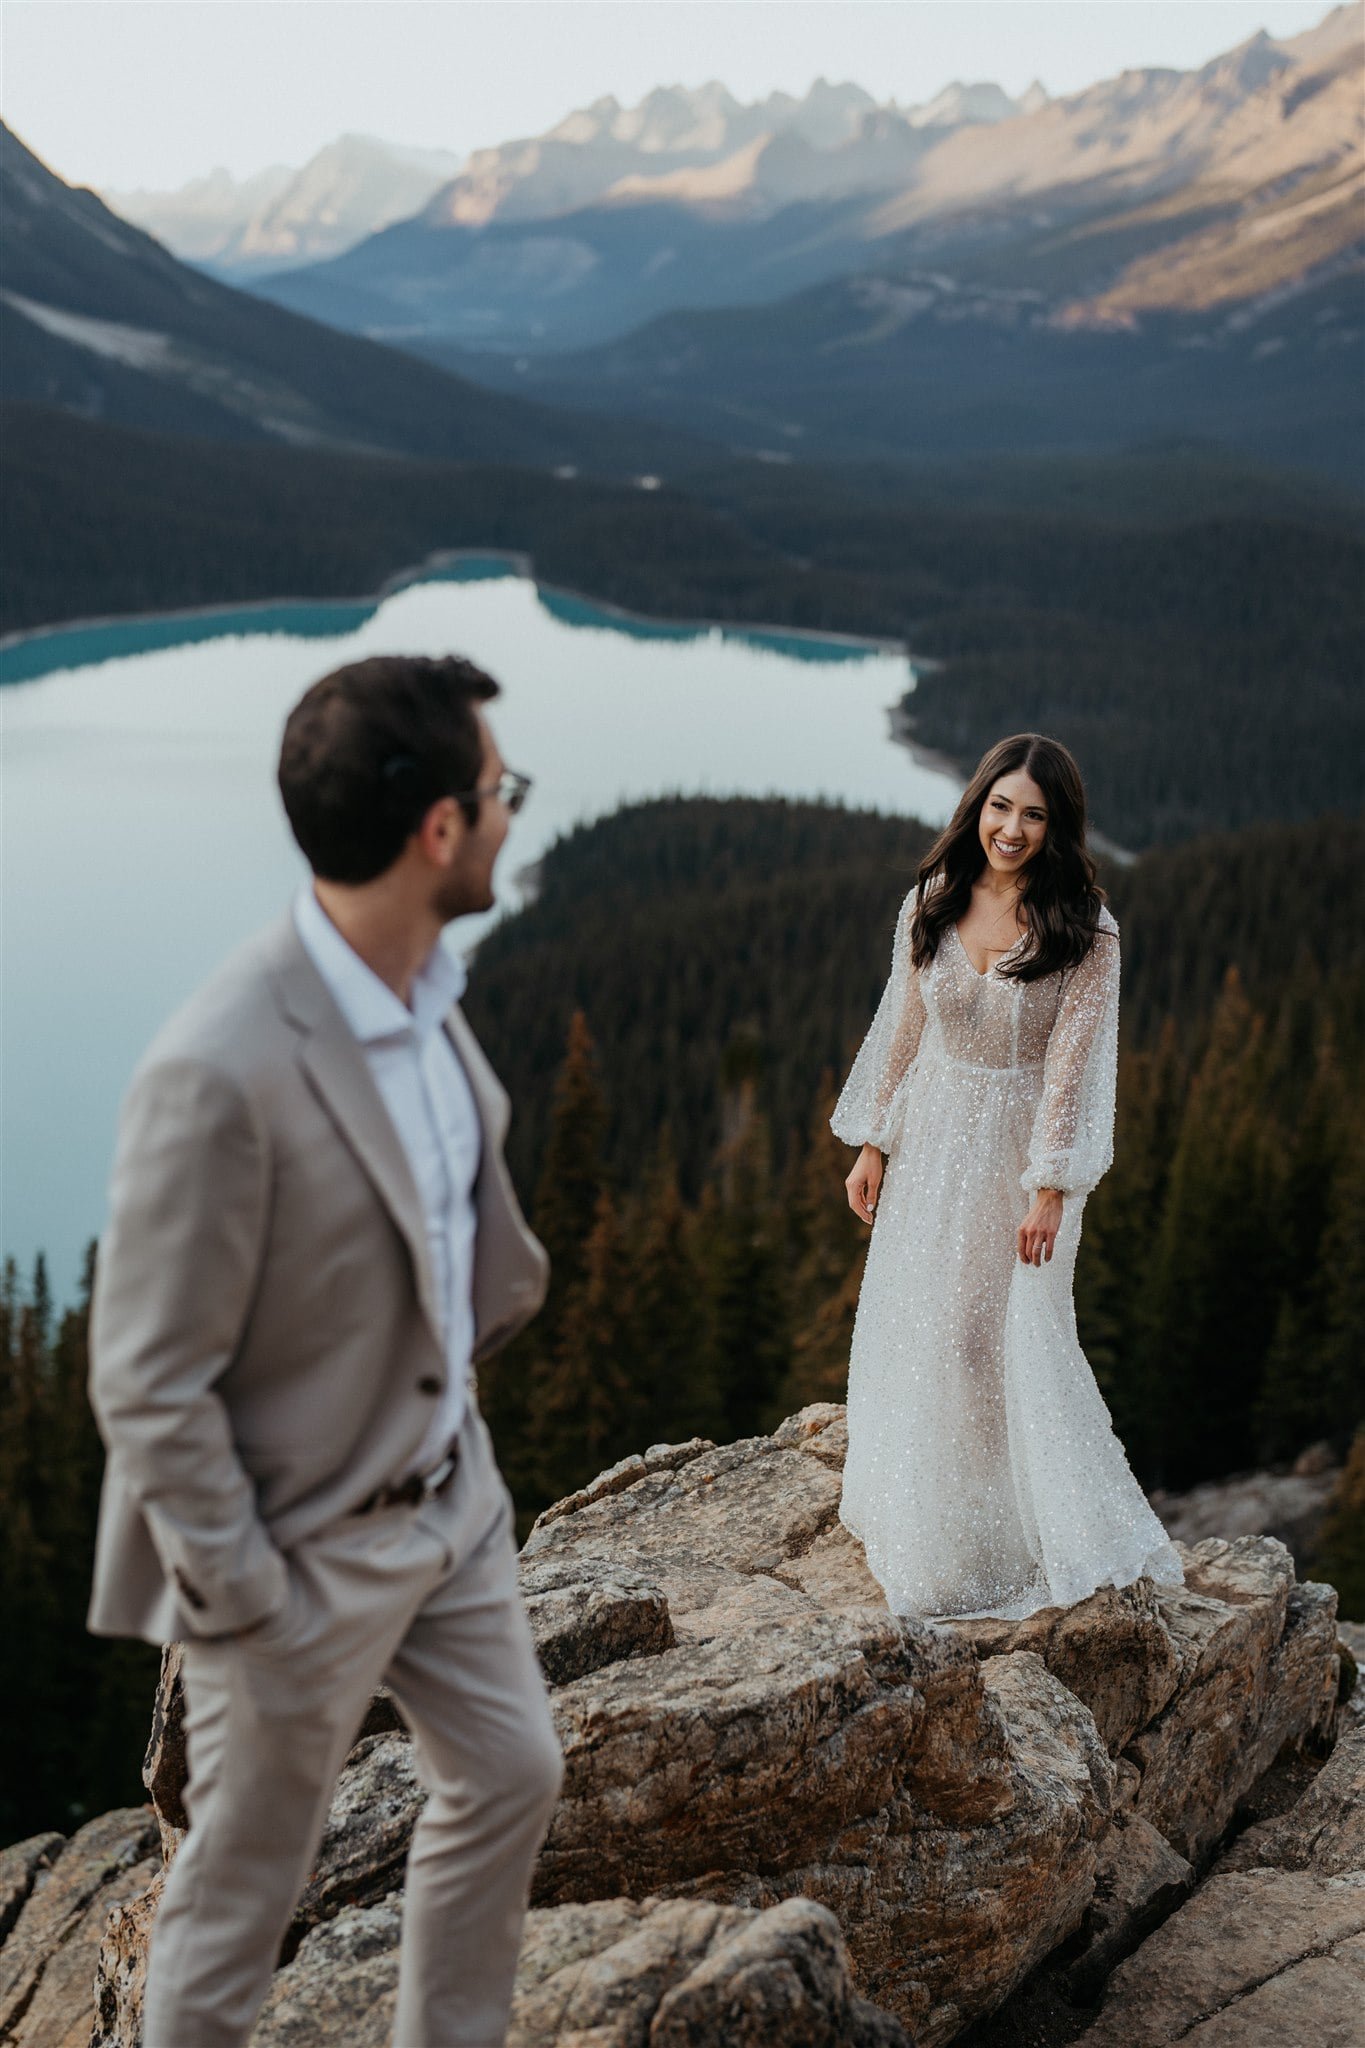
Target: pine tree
point(573, 1176)
point(1114, 1268)
point(571, 1179)
point(79, 1718)
point(1341, 1368)
point(1295, 1402)
point(584, 1408)
point(828, 1248)
point(27, 1434)
point(31, 1620)
point(673, 1364)
point(741, 1231)
point(9, 1326)
point(1213, 1285)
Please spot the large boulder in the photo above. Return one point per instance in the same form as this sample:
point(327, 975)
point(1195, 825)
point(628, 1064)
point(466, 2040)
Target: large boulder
point(1271, 1949)
point(47, 1963)
point(1259, 1672)
point(783, 1807)
point(610, 1974)
point(1291, 1506)
point(797, 1740)
point(1257, 1959)
point(1324, 1831)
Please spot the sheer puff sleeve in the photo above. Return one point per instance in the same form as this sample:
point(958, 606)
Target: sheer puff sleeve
point(1073, 1132)
point(865, 1113)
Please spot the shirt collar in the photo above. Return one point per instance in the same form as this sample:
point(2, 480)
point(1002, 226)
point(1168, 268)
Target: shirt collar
point(369, 1005)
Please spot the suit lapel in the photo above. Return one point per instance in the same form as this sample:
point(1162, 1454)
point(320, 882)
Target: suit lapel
point(337, 1071)
point(489, 1096)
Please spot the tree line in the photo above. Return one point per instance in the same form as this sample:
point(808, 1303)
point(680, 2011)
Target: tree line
point(674, 1015)
point(1201, 656)
point(1220, 1285)
point(689, 967)
point(74, 1711)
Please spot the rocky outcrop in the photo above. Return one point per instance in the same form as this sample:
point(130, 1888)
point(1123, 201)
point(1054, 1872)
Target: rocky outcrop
point(47, 1964)
point(1324, 1831)
point(671, 1973)
point(1351, 1642)
point(1271, 1949)
point(1291, 1506)
point(1242, 1661)
point(787, 1815)
point(1255, 1960)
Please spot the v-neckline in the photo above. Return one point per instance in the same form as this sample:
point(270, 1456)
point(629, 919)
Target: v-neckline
point(984, 973)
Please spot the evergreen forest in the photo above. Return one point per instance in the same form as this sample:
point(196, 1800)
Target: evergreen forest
point(1191, 627)
point(673, 1016)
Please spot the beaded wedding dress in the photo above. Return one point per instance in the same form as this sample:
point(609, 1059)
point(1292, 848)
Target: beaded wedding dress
point(983, 1475)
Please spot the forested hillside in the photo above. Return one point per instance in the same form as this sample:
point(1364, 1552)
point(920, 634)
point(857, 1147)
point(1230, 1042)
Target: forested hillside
point(673, 1017)
point(1195, 632)
point(685, 927)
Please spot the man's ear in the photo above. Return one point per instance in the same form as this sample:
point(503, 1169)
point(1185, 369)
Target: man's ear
point(441, 832)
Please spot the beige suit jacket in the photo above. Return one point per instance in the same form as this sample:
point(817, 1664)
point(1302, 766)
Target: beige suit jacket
point(264, 1337)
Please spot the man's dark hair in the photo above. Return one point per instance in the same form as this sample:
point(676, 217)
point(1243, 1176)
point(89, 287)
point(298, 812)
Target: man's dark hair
point(370, 748)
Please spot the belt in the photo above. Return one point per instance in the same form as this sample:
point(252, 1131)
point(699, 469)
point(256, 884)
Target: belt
point(418, 1486)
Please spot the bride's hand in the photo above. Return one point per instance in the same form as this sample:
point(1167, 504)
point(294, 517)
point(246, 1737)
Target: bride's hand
point(1038, 1231)
point(864, 1183)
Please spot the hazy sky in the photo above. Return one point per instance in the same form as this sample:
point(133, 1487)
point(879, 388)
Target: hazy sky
point(118, 93)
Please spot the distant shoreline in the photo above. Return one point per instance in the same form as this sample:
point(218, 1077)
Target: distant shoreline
point(523, 565)
point(403, 579)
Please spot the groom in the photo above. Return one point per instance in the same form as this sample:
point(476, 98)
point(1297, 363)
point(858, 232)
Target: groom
point(312, 1238)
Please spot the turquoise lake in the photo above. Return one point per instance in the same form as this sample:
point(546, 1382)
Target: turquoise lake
point(142, 836)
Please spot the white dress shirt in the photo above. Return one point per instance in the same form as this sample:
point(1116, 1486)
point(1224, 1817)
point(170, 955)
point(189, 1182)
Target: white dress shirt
point(427, 1094)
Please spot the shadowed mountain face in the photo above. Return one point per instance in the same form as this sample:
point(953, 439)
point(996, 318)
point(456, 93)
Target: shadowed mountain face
point(1157, 191)
point(98, 319)
point(1195, 268)
point(922, 366)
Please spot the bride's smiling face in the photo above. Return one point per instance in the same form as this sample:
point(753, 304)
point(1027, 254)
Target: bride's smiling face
point(1013, 822)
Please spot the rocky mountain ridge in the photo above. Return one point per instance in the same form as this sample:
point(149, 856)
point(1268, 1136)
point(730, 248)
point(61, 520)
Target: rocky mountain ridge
point(1155, 189)
point(242, 228)
point(97, 319)
point(705, 146)
point(281, 216)
point(788, 1816)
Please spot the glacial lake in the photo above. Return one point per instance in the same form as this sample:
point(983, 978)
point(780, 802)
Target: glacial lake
point(141, 836)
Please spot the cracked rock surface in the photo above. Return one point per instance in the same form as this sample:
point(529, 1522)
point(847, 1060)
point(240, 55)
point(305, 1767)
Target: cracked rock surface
point(1257, 1959)
point(47, 1963)
point(789, 1817)
point(1270, 1951)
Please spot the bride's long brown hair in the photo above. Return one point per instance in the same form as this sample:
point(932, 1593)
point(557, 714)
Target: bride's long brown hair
point(1059, 895)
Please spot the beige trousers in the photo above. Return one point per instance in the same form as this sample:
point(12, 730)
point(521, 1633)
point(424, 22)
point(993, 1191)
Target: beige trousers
point(425, 1597)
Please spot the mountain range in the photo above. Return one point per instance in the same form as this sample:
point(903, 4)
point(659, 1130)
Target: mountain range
point(1158, 190)
point(647, 290)
point(98, 319)
point(243, 228)
point(281, 217)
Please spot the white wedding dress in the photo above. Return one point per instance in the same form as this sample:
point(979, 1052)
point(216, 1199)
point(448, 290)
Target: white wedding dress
point(983, 1474)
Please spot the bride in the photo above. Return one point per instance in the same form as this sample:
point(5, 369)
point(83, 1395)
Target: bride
point(983, 1476)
